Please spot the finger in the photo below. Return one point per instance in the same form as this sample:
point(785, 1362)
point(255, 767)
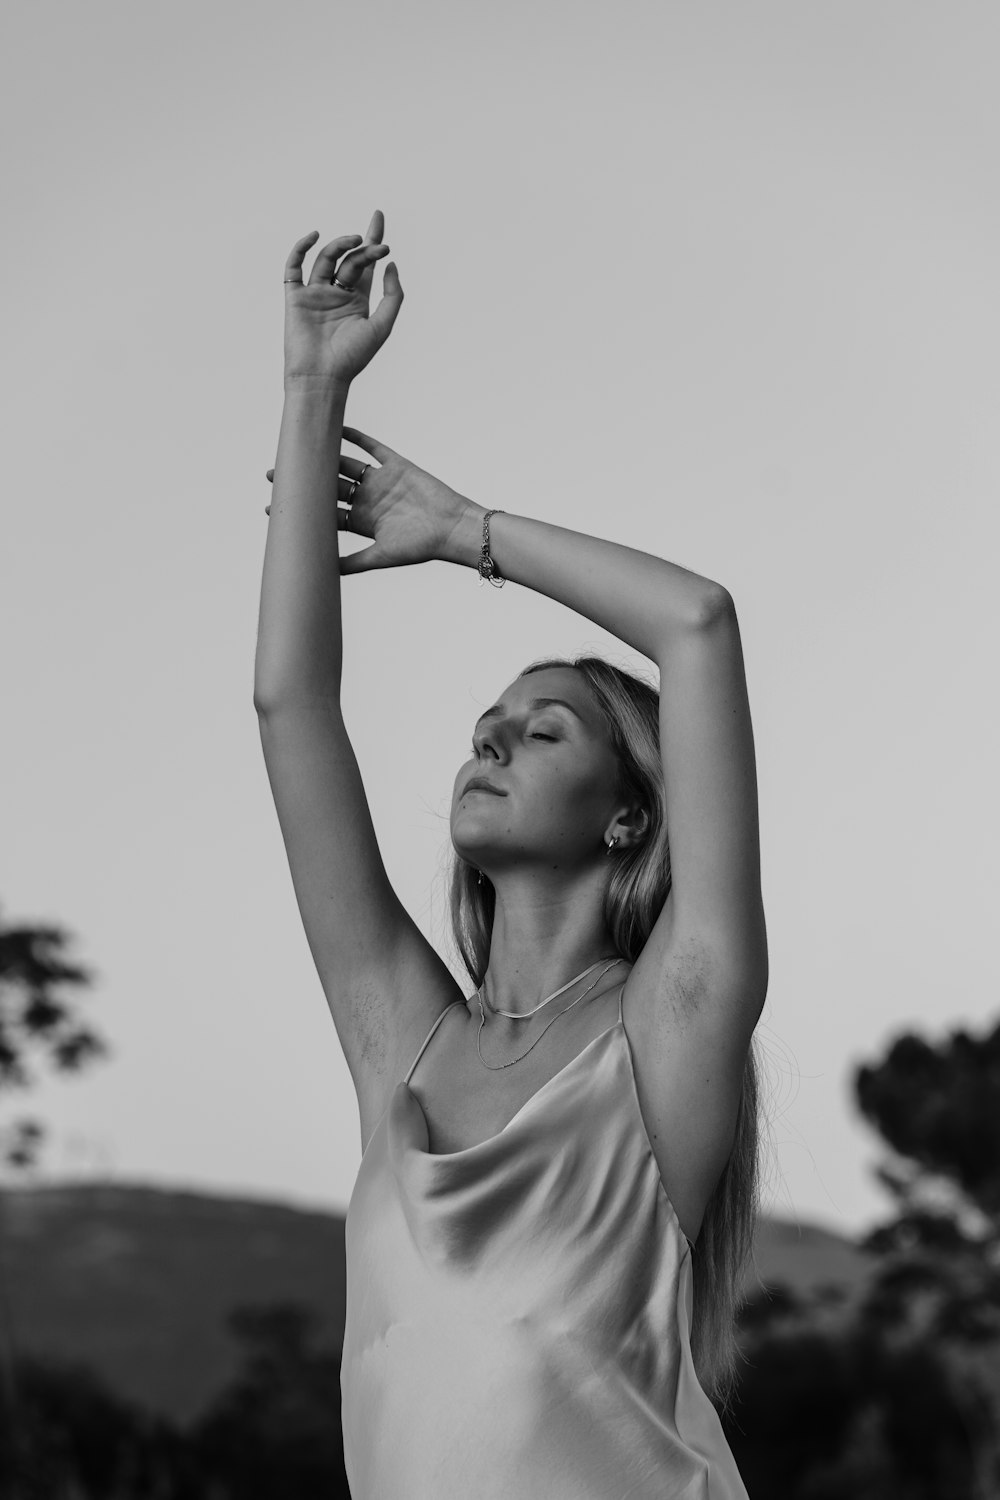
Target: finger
point(387, 311)
point(355, 269)
point(373, 236)
point(353, 467)
point(326, 260)
point(297, 254)
point(349, 522)
point(345, 490)
point(361, 561)
point(371, 445)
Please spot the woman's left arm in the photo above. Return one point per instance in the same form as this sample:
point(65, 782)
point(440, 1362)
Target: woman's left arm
point(712, 924)
point(687, 624)
point(642, 599)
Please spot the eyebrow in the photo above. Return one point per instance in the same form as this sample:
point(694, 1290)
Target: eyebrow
point(498, 709)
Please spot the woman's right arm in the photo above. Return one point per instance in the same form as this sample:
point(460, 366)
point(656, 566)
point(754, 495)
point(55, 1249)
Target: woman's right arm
point(299, 646)
point(362, 939)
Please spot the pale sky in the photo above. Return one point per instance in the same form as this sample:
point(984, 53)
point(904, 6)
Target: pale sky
point(718, 282)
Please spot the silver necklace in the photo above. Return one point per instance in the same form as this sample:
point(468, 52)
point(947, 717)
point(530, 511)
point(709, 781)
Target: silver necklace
point(495, 1067)
point(522, 1015)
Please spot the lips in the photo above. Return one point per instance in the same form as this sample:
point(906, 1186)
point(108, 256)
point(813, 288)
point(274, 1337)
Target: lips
point(479, 784)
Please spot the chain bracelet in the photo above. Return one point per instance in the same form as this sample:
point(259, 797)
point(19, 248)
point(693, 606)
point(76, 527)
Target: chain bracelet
point(487, 567)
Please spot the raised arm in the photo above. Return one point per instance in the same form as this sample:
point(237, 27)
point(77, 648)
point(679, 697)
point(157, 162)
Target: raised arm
point(687, 624)
point(360, 935)
point(329, 338)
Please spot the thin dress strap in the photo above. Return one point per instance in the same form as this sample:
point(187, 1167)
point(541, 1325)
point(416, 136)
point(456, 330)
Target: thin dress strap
point(434, 1028)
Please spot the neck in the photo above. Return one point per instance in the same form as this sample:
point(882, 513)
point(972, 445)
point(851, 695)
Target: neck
point(542, 938)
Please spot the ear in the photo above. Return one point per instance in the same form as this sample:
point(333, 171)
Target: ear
point(630, 827)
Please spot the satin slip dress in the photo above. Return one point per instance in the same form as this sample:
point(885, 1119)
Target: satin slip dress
point(519, 1312)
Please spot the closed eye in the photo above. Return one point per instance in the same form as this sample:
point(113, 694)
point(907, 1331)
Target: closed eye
point(553, 739)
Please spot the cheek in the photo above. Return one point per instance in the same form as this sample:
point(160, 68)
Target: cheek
point(586, 794)
point(561, 794)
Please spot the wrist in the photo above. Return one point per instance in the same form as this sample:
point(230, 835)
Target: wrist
point(317, 389)
point(464, 544)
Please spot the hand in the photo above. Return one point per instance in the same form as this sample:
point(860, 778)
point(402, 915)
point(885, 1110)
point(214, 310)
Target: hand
point(410, 514)
point(328, 332)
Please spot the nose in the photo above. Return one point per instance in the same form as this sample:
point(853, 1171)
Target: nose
point(488, 737)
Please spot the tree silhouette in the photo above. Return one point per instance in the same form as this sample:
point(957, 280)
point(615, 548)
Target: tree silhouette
point(76, 1440)
point(895, 1390)
point(275, 1431)
point(936, 1287)
point(939, 1110)
point(830, 1406)
point(34, 1021)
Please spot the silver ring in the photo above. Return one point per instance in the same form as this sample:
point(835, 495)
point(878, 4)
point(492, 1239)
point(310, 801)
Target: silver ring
point(347, 519)
point(343, 285)
point(364, 471)
point(350, 493)
point(292, 281)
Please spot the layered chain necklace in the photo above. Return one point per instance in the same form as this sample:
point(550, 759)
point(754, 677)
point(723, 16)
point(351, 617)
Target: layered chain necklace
point(514, 1015)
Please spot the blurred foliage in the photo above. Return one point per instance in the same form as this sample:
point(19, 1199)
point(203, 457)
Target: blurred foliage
point(831, 1408)
point(939, 1109)
point(66, 1437)
point(898, 1392)
point(276, 1431)
point(35, 1021)
point(66, 1419)
point(272, 1435)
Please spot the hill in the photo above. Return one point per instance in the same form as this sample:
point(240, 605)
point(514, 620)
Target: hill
point(136, 1281)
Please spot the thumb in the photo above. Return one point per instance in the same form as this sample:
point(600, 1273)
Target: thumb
point(387, 311)
point(362, 561)
point(381, 452)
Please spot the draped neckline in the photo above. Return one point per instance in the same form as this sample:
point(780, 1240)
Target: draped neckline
point(428, 1158)
point(524, 1108)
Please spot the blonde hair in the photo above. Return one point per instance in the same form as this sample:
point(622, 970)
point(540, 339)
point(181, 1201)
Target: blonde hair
point(637, 890)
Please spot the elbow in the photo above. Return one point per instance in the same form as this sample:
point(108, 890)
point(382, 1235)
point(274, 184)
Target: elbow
point(313, 697)
point(265, 703)
point(714, 605)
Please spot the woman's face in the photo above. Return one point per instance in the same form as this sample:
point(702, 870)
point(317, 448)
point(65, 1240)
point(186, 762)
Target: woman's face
point(556, 771)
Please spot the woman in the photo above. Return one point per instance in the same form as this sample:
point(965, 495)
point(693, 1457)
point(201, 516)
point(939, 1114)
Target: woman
point(557, 1194)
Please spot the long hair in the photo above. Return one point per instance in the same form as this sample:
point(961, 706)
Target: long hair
point(638, 888)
